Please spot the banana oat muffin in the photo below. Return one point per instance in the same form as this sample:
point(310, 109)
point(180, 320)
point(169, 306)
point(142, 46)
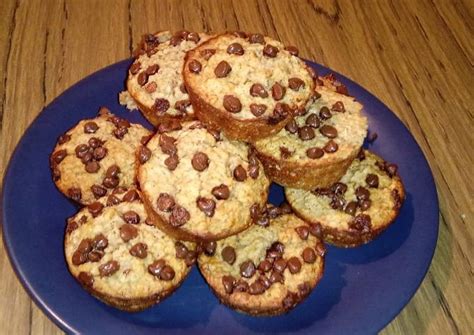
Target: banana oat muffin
point(267, 269)
point(119, 257)
point(248, 86)
point(198, 185)
point(356, 209)
point(96, 156)
point(318, 145)
point(154, 79)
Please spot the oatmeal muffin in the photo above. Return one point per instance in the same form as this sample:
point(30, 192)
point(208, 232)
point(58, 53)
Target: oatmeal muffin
point(96, 156)
point(318, 145)
point(155, 81)
point(116, 255)
point(267, 269)
point(356, 209)
point(248, 86)
point(198, 185)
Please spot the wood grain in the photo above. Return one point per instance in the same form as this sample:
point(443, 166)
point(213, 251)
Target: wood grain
point(416, 56)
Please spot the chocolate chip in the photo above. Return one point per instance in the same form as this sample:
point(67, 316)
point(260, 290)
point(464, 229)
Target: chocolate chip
point(179, 216)
point(181, 105)
point(167, 144)
point(265, 266)
point(221, 192)
point(94, 142)
point(135, 68)
point(100, 242)
point(339, 188)
point(172, 162)
point(222, 69)
point(190, 258)
point(391, 169)
point(200, 161)
point(92, 167)
point(194, 37)
point(337, 203)
point(306, 133)
point(247, 269)
point(86, 279)
point(304, 288)
point(90, 127)
point(320, 249)
point(206, 205)
point(278, 91)
point(165, 202)
point(84, 246)
point(276, 277)
point(152, 69)
point(303, 232)
point(156, 267)
point(365, 204)
point(314, 153)
point(210, 248)
point(194, 66)
point(330, 147)
point(270, 51)
point(325, 113)
point(309, 256)
point(95, 255)
point(142, 78)
point(131, 217)
point(257, 90)
point(258, 109)
point(58, 156)
point(182, 88)
point(128, 232)
point(338, 106)
point(241, 286)
point(86, 158)
point(228, 282)
point(362, 193)
point(289, 301)
point(112, 200)
point(254, 171)
point(312, 120)
point(119, 133)
point(79, 258)
point(235, 49)
point(139, 250)
point(328, 131)
point(372, 180)
point(95, 208)
point(110, 182)
point(131, 195)
point(74, 193)
point(361, 223)
point(256, 288)
point(207, 53)
point(109, 268)
point(273, 212)
point(228, 254)
point(81, 150)
point(279, 265)
point(295, 83)
point(292, 50)
point(99, 153)
point(294, 265)
point(257, 38)
point(232, 104)
point(161, 106)
point(98, 191)
point(64, 138)
point(239, 173)
point(351, 208)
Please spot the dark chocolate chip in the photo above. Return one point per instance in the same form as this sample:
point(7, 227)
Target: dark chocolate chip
point(276, 277)
point(228, 282)
point(109, 268)
point(167, 144)
point(265, 266)
point(172, 162)
point(228, 254)
point(312, 120)
point(338, 106)
point(258, 109)
point(328, 131)
point(74, 193)
point(194, 66)
point(292, 50)
point(295, 83)
point(320, 249)
point(314, 153)
point(92, 167)
point(325, 113)
point(86, 279)
point(152, 69)
point(221, 192)
point(142, 78)
point(232, 104)
point(139, 250)
point(206, 205)
point(131, 217)
point(257, 90)
point(270, 51)
point(179, 216)
point(161, 106)
point(241, 286)
point(362, 193)
point(309, 256)
point(306, 133)
point(207, 54)
point(135, 68)
point(278, 91)
point(330, 147)
point(303, 232)
point(144, 154)
point(279, 265)
point(285, 153)
point(156, 267)
point(351, 208)
point(222, 69)
point(294, 265)
point(257, 38)
point(90, 127)
point(239, 173)
point(292, 127)
point(235, 49)
point(372, 180)
point(98, 191)
point(247, 269)
point(256, 288)
point(210, 248)
point(128, 232)
point(95, 208)
point(200, 161)
point(112, 200)
point(58, 156)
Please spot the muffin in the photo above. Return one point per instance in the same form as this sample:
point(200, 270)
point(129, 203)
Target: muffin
point(114, 252)
point(356, 209)
point(198, 185)
point(96, 156)
point(155, 81)
point(315, 148)
point(267, 269)
point(248, 86)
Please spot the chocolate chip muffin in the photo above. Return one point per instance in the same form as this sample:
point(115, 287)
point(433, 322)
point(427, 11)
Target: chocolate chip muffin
point(198, 185)
point(96, 156)
point(356, 209)
point(119, 257)
point(248, 86)
point(318, 145)
point(155, 80)
point(267, 269)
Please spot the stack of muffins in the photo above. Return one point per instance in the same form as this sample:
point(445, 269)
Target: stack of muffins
point(232, 112)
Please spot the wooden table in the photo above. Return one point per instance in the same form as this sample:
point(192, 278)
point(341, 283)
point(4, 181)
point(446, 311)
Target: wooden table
point(416, 56)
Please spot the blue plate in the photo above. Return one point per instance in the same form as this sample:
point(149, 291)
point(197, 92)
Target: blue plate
point(362, 290)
